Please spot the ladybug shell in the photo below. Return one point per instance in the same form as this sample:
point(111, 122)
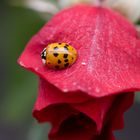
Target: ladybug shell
point(60, 55)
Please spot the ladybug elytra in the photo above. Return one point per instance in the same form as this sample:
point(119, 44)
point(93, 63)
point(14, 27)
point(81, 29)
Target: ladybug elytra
point(59, 55)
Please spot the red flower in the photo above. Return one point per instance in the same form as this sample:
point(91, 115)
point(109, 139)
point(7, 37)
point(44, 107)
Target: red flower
point(76, 100)
point(76, 115)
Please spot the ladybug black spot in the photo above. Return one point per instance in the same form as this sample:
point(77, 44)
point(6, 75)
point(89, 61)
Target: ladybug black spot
point(66, 65)
point(66, 47)
point(65, 55)
point(66, 60)
point(55, 54)
point(56, 48)
point(59, 61)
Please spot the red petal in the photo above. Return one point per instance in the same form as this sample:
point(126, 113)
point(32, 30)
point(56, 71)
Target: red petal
point(106, 134)
point(112, 122)
point(49, 96)
point(58, 107)
point(114, 118)
point(108, 50)
point(121, 105)
point(74, 128)
point(96, 109)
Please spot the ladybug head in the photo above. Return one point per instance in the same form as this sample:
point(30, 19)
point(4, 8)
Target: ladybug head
point(43, 56)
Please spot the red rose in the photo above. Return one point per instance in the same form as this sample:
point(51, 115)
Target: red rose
point(87, 100)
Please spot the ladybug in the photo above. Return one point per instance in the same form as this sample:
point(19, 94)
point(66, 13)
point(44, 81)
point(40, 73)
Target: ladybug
point(59, 55)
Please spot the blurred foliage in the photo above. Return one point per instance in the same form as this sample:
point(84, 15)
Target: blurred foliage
point(38, 132)
point(18, 25)
point(137, 97)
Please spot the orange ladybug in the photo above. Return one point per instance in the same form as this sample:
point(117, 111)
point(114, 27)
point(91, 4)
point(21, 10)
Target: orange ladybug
point(59, 55)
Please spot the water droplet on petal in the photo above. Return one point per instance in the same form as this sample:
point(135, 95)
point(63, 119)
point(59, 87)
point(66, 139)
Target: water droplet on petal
point(83, 63)
point(65, 90)
point(74, 83)
point(97, 90)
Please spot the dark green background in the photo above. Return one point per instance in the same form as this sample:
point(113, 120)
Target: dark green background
point(19, 87)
